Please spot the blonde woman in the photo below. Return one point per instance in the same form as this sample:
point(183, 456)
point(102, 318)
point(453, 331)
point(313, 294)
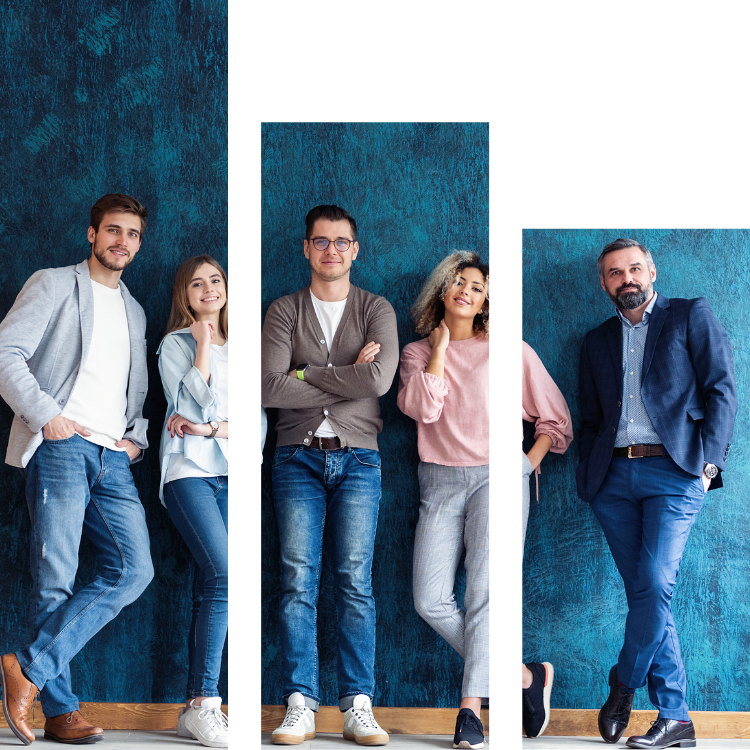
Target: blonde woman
point(193, 359)
point(444, 386)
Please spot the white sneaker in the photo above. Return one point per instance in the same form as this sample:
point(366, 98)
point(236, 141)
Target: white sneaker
point(182, 730)
point(298, 724)
point(208, 724)
point(360, 724)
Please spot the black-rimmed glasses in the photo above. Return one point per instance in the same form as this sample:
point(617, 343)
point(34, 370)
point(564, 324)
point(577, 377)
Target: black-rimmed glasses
point(322, 243)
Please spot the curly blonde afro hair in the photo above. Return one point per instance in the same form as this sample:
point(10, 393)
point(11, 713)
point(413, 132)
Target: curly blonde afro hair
point(429, 309)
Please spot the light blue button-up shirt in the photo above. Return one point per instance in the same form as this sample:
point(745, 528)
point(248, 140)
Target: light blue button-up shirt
point(635, 425)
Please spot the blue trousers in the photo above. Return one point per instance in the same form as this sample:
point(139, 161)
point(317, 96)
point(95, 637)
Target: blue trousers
point(646, 507)
point(338, 490)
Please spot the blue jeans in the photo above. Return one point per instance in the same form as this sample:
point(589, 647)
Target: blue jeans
point(646, 507)
point(198, 508)
point(74, 487)
point(313, 488)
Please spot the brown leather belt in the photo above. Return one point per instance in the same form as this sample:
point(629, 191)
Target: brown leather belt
point(325, 444)
point(640, 451)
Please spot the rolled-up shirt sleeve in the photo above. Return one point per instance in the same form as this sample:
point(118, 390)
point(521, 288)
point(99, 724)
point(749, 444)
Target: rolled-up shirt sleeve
point(421, 395)
point(544, 404)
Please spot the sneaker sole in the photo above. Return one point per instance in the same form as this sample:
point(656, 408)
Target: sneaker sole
point(291, 739)
point(549, 679)
point(368, 739)
point(465, 743)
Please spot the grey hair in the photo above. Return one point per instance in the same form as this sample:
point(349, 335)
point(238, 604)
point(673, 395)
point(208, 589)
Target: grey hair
point(621, 244)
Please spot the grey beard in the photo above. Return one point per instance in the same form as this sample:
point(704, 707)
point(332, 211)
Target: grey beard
point(630, 300)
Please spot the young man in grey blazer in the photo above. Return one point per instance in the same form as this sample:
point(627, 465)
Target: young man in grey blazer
point(329, 351)
point(73, 370)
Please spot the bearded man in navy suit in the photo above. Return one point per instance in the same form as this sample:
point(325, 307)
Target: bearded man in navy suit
point(658, 404)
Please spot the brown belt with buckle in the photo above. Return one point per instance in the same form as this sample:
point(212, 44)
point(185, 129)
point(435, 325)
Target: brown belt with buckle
point(325, 444)
point(640, 451)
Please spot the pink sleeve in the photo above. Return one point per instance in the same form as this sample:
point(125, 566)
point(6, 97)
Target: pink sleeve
point(420, 394)
point(543, 403)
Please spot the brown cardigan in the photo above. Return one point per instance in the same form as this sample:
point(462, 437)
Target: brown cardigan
point(334, 387)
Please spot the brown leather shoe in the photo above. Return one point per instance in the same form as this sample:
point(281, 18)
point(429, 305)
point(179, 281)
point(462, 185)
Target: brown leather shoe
point(72, 729)
point(18, 695)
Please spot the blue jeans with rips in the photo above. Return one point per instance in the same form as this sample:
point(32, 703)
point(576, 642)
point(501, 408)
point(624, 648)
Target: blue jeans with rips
point(198, 508)
point(338, 489)
point(646, 508)
point(75, 487)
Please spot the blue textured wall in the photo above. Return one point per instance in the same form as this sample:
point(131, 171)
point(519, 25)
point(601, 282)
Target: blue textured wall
point(574, 604)
point(102, 97)
point(417, 192)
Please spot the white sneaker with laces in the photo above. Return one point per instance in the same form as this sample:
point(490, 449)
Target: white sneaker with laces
point(360, 724)
point(208, 724)
point(298, 724)
point(182, 730)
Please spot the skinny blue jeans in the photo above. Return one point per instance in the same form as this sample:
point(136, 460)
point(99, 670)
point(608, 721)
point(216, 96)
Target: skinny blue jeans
point(198, 508)
point(75, 487)
point(339, 489)
point(646, 507)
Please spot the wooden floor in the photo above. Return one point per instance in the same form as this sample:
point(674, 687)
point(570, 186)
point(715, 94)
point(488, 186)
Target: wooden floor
point(393, 720)
point(570, 722)
point(147, 716)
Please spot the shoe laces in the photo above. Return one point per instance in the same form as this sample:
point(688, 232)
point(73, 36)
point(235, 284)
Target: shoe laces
point(470, 719)
point(215, 717)
point(365, 717)
point(292, 714)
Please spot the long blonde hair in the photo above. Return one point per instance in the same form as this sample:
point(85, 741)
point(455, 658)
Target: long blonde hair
point(429, 309)
point(181, 316)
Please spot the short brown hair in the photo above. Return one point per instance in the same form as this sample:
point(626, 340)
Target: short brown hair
point(117, 202)
point(332, 213)
point(181, 316)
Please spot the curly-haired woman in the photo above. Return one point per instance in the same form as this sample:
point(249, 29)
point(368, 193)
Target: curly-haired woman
point(444, 386)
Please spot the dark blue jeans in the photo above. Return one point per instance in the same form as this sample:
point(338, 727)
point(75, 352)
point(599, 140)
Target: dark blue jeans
point(339, 489)
point(198, 508)
point(646, 507)
point(74, 487)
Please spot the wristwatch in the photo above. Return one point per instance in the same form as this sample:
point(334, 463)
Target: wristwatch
point(301, 370)
point(710, 470)
point(214, 428)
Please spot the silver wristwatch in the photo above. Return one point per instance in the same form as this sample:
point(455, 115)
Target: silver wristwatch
point(710, 470)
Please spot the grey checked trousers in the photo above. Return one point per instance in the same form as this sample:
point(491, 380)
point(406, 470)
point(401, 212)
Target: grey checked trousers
point(453, 516)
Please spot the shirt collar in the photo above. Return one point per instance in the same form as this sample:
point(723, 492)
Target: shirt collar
point(646, 313)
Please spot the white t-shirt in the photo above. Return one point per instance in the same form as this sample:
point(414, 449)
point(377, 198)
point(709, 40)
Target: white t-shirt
point(99, 400)
point(329, 316)
point(181, 467)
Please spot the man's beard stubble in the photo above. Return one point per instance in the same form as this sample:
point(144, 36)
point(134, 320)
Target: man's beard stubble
point(629, 300)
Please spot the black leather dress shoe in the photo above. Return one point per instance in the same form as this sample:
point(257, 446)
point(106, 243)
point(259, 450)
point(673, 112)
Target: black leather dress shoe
point(666, 733)
point(615, 713)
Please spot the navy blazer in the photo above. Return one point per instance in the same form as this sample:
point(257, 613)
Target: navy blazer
point(687, 387)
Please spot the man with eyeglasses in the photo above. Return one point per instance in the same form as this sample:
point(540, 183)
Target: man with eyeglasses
point(329, 351)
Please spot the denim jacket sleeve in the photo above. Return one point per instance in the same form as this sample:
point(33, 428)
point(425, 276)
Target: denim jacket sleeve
point(186, 391)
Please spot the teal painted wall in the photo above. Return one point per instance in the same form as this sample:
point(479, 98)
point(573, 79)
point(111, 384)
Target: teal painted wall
point(102, 97)
point(574, 604)
point(417, 191)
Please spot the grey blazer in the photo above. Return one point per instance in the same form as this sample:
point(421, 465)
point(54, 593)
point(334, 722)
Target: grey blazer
point(44, 338)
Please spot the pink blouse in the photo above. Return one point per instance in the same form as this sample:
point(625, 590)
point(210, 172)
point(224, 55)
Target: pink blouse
point(544, 404)
point(452, 413)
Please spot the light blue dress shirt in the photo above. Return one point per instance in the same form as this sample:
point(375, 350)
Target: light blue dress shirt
point(635, 425)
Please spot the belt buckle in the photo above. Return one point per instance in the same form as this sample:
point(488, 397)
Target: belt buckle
point(630, 455)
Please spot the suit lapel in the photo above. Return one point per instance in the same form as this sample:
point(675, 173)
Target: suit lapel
point(613, 336)
point(85, 307)
point(655, 324)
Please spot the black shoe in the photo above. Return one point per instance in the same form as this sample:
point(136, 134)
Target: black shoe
point(666, 733)
point(536, 698)
point(615, 713)
point(469, 730)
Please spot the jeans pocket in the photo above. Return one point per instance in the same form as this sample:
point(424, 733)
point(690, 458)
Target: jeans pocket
point(367, 457)
point(61, 440)
point(284, 454)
